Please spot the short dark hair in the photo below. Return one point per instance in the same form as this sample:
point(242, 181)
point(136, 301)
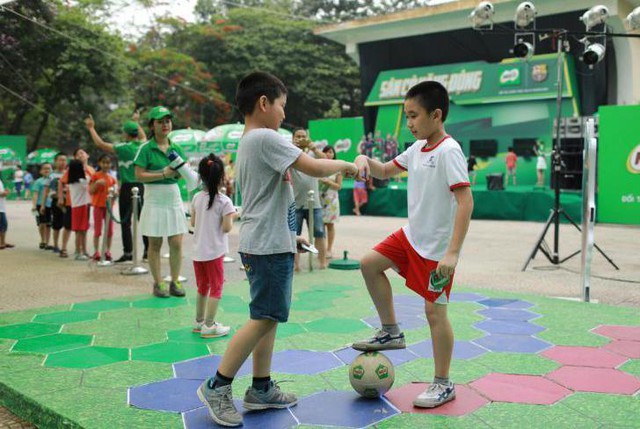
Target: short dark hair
point(431, 95)
point(58, 155)
point(296, 129)
point(103, 157)
point(255, 85)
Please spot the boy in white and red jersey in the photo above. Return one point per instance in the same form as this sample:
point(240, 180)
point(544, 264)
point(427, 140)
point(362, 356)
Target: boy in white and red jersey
point(426, 251)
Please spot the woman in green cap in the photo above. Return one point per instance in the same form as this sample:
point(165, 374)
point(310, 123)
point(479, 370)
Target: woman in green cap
point(162, 214)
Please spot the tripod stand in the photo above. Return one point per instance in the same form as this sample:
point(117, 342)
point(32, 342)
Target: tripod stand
point(556, 162)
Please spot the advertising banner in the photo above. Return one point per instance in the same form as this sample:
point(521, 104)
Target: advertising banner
point(344, 134)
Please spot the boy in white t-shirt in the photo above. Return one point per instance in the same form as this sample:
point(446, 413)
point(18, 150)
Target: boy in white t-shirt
point(426, 251)
point(212, 215)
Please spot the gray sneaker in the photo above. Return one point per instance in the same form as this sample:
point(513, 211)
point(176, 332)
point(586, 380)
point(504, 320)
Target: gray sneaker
point(176, 289)
point(382, 340)
point(219, 401)
point(161, 290)
point(273, 398)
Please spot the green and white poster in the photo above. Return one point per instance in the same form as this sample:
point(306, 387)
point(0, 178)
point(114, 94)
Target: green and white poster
point(618, 193)
point(343, 134)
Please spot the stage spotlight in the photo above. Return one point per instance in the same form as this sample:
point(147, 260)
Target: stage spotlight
point(523, 50)
point(593, 54)
point(525, 14)
point(595, 16)
point(633, 19)
point(482, 14)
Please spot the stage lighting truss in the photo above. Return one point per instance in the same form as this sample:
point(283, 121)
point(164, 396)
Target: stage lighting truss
point(524, 23)
point(595, 46)
point(482, 16)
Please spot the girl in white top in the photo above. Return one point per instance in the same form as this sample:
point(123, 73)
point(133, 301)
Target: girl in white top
point(212, 215)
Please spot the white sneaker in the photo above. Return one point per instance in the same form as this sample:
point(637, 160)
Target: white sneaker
point(435, 395)
point(215, 330)
point(197, 326)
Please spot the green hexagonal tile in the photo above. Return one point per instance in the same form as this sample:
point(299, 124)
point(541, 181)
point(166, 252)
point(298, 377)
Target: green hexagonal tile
point(421, 421)
point(286, 330)
point(632, 367)
point(101, 305)
point(126, 374)
point(52, 343)
point(334, 325)
point(610, 411)
point(87, 357)
point(309, 305)
point(516, 416)
point(63, 317)
point(186, 335)
point(516, 363)
point(169, 352)
point(27, 330)
point(160, 302)
point(41, 381)
point(325, 296)
point(234, 304)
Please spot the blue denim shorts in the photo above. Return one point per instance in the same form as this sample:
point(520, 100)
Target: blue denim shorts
point(270, 278)
point(318, 224)
point(3, 222)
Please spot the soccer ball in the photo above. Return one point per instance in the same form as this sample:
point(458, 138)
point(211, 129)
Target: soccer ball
point(371, 374)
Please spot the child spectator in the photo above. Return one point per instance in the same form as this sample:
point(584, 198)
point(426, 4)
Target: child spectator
point(3, 218)
point(51, 192)
point(511, 161)
point(99, 187)
point(80, 200)
point(42, 206)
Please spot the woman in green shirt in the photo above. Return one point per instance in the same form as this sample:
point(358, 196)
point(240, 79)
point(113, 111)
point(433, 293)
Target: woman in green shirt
point(162, 214)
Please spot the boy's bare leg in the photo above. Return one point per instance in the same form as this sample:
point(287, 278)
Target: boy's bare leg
point(321, 245)
point(441, 337)
point(373, 266)
point(263, 352)
point(243, 343)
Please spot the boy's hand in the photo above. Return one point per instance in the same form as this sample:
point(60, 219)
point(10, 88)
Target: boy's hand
point(89, 122)
point(300, 241)
point(362, 164)
point(351, 170)
point(447, 264)
point(42, 210)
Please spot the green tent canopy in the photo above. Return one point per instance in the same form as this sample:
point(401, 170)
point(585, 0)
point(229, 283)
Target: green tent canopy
point(189, 140)
point(8, 156)
point(41, 156)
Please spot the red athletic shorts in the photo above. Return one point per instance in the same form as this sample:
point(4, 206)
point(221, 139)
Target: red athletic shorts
point(413, 267)
point(99, 215)
point(210, 277)
point(80, 218)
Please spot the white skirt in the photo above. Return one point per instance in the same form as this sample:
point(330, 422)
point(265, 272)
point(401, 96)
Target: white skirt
point(162, 213)
point(540, 165)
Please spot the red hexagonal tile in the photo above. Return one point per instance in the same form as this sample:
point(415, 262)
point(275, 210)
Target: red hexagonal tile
point(597, 380)
point(630, 349)
point(629, 333)
point(466, 402)
point(521, 389)
point(584, 356)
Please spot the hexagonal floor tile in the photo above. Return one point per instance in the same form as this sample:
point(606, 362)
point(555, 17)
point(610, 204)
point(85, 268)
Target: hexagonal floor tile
point(405, 322)
point(461, 349)
point(27, 330)
point(465, 297)
point(205, 367)
point(597, 380)
point(271, 419)
point(289, 329)
point(409, 300)
point(174, 395)
point(169, 352)
point(509, 327)
point(101, 305)
point(87, 357)
point(332, 325)
point(499, 313)
point(584, 356)
point(233, 304)
point(523, 389)
point(160, 302)
point(63, 317)
point(630, 349)
point(397, 357)
point(52, 343)
point(347, 409)
point(512, 343)
point(467, 400)
point(505, 303)
point(186, 335)
point(304, 362)
point(629, 333)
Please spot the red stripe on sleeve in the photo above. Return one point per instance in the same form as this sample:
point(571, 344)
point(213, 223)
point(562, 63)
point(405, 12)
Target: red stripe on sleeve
point(460, 185)
point(398, 165)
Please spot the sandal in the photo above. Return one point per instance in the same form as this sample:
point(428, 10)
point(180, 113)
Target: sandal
point(64, 254)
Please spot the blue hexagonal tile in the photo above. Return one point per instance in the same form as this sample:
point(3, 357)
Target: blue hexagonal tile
point(304, 362)
point(461, 349)
point(268, 419)
point(174, 395)
point(508, 314)
point(405, 322)
point(205, 367)
point(345, 409)
point(465, 297)
point(409, 300)
point(397, 357)
point(505, 303)
point(512, 327)
point(512, 343)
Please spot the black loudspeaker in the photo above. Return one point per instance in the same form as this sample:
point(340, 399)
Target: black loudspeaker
point(495, 182)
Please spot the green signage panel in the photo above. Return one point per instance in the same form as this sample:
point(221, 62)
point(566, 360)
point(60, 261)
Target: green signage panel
point(480, 82)
point(618, 198)
point(343, 134)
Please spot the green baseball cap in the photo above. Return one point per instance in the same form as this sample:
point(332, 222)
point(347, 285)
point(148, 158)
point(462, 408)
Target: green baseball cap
point(131, 128)
point(159, 112)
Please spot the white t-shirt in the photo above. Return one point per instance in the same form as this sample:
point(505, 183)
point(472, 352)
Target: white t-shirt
point(3, 208)
point(433, 174)
point(209, 242)
point(80, 193)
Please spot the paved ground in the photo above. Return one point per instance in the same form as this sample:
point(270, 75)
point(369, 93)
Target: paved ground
point(493, 256)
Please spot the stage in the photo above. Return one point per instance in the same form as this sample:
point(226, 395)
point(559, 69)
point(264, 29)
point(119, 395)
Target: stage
point(515, 203)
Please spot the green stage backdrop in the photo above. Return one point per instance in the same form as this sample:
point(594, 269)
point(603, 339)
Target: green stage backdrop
point(343, 134)
point(619, 165)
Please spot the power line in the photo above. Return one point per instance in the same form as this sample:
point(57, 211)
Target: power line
point(15, 94)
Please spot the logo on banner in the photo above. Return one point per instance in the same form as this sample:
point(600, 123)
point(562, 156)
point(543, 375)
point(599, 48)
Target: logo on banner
point(633, 163)
point(540, 72)
point(510, 77)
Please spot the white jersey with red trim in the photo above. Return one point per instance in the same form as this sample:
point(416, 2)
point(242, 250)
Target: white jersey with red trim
point(434, 172)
